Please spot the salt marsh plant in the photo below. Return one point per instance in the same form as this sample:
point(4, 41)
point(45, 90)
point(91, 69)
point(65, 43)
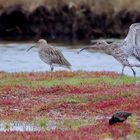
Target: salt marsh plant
point(41, 122)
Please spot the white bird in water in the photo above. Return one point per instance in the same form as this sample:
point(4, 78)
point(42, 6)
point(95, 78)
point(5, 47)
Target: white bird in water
point(130, 46)
point(51, 55)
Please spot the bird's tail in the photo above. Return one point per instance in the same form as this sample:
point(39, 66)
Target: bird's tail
point(69, 67)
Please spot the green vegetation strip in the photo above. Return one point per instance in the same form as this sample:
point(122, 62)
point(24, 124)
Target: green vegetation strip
point(11, 80)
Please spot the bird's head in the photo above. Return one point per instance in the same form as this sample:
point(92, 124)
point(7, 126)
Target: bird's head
point(128, 114)
point(99, 46)
point(111, 121)
point(134, 28)
point(134, 25)
point(40, 43)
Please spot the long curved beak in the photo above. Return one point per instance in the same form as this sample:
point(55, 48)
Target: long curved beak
point(83, 49)
point(31, 48)
point(93, 43)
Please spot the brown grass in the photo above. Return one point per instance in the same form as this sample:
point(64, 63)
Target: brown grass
point(97, 5)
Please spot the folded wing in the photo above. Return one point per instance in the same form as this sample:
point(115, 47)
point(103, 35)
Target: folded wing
point(131, 44)
point(55, 57)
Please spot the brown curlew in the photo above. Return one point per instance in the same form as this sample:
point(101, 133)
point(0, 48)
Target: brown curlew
point(122, 51)
point(51, 55)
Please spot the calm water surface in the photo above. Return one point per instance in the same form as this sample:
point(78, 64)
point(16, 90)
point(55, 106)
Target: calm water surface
point(14, 58)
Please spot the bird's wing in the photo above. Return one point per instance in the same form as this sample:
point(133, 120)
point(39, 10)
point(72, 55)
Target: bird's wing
point(137, 43)
point(121, 119)
point(123, 115)
point(131, 36)
point(56, 57)
point(127, 44)
point(131, 43)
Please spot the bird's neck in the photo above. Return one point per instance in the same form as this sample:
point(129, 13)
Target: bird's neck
point(41, 47)
point(110, 48)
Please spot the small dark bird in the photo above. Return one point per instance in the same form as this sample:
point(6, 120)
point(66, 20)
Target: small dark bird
point(51, 55)
point(120, 116)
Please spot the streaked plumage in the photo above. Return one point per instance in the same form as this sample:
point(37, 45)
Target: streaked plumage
point(51, 55)
point(122, 51)
point(120, 116)
point(131, 44)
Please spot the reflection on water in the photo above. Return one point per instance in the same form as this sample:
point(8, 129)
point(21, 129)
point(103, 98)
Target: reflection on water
point(14, 58)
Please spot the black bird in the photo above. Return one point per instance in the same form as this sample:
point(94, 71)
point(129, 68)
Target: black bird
point(120, 116)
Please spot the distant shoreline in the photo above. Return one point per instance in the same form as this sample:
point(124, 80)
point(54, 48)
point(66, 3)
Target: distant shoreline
point(64, 23)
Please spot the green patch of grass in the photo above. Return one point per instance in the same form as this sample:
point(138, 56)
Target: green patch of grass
point(44, 122)
point(128, 95)
point(75, 99)
point(78, 99)
point(109, 97)
point(118, 81)
point(75, 124)
point(7, 125)
point(135, 126)
point(68, 81)
point(47, 83)
point(101, 98)
point(13, 80)
point(41, 122)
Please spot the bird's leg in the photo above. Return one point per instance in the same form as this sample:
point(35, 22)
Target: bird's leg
point(134, 74)
point(136, 57)
point(52, 68)
point(122, 71)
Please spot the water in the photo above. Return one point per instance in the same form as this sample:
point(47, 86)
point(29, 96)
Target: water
point(14, 58)
point(47, 124)
point(17, 126)
point(25, 126)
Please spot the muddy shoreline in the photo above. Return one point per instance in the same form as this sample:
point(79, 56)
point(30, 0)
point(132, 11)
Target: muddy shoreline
point(64, 23)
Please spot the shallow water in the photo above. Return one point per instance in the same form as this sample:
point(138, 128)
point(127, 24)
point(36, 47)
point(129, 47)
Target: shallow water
point(17, 126)
point(14, 58)
point(44, 124)
point(25, 126)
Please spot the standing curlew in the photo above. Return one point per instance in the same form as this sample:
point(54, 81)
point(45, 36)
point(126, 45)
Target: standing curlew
point(122, 51)
point(120, 116)
point(51, 55)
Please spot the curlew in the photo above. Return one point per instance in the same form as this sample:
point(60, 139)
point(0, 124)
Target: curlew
point(51, 55)
point(130, 46)
point(120, 116)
